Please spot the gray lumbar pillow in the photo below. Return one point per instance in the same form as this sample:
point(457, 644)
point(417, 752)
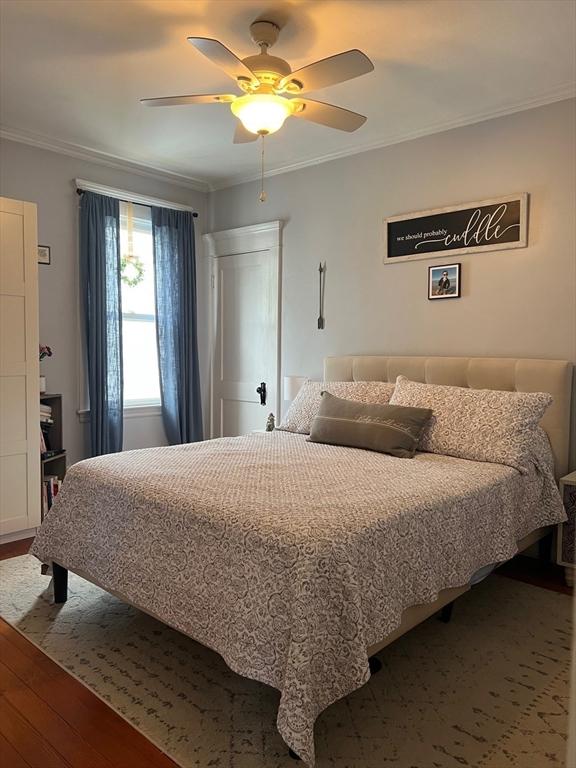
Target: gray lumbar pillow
point(393, 429)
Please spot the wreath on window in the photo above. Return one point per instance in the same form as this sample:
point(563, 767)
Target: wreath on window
point(131, 270)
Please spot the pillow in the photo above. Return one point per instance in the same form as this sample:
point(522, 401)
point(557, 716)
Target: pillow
point(476, 424)
point(306, 404)
point(391, 429)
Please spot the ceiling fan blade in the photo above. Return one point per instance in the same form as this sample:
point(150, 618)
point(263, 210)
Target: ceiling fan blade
point(224, 58)
point(334, 69)
point(202, 98)
point(243, 136)
point(328, 114)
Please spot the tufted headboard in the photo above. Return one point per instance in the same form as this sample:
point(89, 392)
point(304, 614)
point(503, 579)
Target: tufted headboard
point(511, 374)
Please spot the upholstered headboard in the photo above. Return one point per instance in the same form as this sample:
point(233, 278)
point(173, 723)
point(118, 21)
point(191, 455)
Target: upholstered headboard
point(512, 374)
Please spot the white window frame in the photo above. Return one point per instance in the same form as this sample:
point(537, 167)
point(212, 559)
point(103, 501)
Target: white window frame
point(144, 401)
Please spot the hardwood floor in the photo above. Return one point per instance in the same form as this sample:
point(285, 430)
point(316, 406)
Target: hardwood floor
point(48, 719)
point(536, 572)
point(15, 548)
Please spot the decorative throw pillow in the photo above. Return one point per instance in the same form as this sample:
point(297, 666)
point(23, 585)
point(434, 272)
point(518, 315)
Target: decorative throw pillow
point(392, 429)
point(476, 424)
point(306, 404)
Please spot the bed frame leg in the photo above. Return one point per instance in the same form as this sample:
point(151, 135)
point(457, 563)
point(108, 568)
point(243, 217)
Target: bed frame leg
point(375, 664)
point(293, 755)
point(446, 612)
point(60, 583)
point(545, 548)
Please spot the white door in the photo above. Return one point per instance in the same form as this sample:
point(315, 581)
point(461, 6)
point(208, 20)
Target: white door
point(245, 329)
point(19, 386)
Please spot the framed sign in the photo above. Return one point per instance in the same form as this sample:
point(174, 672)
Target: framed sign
point(487, 225)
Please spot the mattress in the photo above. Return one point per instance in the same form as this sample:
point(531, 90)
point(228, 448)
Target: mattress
point(290, 558)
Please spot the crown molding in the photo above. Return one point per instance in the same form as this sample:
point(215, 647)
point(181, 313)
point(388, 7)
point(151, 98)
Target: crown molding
point(561, 93)
point(102, 158)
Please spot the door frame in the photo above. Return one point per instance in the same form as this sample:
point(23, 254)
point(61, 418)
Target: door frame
point(231, 242)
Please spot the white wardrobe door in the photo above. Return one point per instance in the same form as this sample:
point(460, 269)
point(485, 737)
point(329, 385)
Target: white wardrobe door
point(19, 387)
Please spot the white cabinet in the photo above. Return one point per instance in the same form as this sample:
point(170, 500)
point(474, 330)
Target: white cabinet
point(19, 386)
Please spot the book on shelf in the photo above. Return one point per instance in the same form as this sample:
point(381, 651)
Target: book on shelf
point(47, 409)
point(44, 499)
point(45, 439)
point(50, 487)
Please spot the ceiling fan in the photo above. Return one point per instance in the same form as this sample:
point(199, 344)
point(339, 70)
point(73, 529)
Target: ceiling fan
point(271, 91)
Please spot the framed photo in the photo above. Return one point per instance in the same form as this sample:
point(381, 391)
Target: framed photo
point(444, 282)
point(497, 224)
point(43, 254)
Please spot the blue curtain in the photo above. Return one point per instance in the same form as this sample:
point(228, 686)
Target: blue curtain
point(175, 276)
point(100, 277)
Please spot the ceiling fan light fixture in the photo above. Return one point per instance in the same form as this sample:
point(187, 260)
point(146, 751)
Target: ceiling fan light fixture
point(262, 113)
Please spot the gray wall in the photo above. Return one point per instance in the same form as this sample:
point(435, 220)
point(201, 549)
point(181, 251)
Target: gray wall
point(47, 179)
point(519, 302)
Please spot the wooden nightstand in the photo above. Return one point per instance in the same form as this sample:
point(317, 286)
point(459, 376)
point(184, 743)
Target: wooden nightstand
point(566, 548)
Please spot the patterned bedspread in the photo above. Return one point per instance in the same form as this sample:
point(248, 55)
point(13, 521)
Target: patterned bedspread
point(289, 558)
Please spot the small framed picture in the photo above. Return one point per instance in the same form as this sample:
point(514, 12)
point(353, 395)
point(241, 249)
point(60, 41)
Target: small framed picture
point(444, 282)
point(43, 254)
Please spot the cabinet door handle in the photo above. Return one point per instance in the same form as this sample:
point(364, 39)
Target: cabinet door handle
point(261, 390)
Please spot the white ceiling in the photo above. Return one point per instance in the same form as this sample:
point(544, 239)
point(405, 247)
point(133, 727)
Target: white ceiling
point(72, 73)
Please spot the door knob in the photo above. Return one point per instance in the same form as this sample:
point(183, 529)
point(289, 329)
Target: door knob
point(261, 390)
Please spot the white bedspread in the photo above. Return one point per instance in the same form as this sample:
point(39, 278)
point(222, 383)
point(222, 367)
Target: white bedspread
point(289, 558)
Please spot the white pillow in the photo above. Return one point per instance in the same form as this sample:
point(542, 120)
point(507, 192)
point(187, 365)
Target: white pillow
point(305, 406)
point(476, 424)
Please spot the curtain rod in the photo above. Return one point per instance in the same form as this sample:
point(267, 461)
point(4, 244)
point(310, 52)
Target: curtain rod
point(129, 197)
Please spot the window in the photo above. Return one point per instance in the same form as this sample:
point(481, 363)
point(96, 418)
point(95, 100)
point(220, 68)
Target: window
point(139, 349)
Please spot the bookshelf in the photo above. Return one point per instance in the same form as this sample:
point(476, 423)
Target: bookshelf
point(53, 462)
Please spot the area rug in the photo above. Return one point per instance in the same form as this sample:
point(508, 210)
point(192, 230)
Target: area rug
point(487, 690)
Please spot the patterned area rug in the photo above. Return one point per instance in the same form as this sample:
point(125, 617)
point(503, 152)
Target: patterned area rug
point(487, 690)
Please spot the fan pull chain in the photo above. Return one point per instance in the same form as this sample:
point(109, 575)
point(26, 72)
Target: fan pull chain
point(262, 196)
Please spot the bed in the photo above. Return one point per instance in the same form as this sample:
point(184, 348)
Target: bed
point(298, 561)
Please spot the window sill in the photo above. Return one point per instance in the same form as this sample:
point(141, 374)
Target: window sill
point(130, 412)
point(137, 411)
